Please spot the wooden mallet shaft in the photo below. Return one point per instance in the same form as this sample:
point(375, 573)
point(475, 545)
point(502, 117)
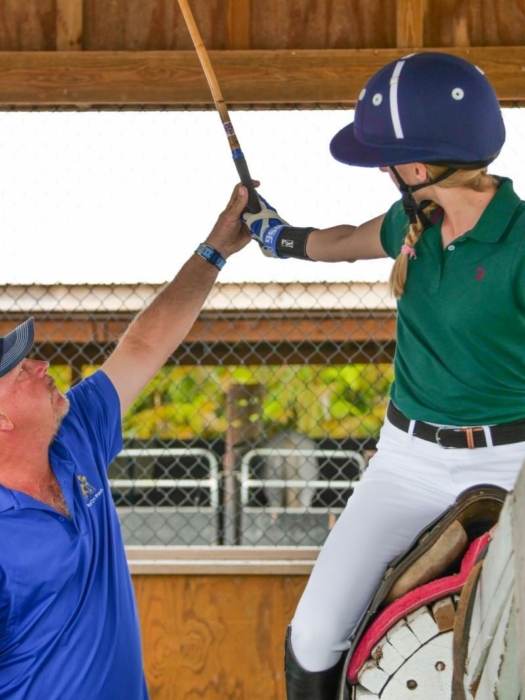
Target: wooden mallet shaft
point(238, 156)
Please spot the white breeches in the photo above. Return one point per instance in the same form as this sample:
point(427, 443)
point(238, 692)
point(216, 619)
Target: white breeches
point(409, 482)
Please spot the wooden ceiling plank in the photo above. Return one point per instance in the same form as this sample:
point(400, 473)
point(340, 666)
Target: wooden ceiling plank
point(239, 18)
point(69, 25)
point(410, 23)
point(265, 79)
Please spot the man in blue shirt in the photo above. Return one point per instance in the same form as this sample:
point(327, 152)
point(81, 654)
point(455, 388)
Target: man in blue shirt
point(68, 620)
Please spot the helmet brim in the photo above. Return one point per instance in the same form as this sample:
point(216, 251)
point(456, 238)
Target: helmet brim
point(346, 148)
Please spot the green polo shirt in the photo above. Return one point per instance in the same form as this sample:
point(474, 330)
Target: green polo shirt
point(460, 356)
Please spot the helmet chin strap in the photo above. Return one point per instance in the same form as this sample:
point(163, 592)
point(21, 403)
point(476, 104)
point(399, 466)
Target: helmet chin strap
point(415, 209)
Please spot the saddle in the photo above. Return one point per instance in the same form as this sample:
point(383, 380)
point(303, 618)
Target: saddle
point(437, 564)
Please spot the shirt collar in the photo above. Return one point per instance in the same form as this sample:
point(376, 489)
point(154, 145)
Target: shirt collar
point(498, 214)
point(7, 500)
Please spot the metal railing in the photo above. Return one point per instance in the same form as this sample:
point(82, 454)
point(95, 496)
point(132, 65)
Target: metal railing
point(146, 523)
point(337, 484)
point(212, 482)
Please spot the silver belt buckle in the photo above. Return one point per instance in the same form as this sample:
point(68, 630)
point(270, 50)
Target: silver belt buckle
point(438, 441)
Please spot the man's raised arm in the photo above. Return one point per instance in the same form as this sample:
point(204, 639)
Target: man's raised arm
point(161, 327)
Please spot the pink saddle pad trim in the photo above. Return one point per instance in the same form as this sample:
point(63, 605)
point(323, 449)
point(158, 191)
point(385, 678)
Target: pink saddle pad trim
point(429, 592)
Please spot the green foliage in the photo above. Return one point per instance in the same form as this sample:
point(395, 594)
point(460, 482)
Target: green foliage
point(184, 403)
point(320, 401)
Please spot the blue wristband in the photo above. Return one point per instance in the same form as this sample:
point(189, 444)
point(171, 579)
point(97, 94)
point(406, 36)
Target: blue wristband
point(211, 255)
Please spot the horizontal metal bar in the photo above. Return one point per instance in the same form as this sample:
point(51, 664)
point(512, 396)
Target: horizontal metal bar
point(293, 483)
point(292, 510)
point(247, 483)
point(166, 510)
point(161, 483)
point(212, 483)
point(167, 451)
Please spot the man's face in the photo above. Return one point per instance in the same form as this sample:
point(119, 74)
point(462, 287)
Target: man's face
point(29, 397)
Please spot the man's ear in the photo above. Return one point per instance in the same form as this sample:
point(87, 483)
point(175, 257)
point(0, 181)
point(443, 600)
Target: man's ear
point(6, 424)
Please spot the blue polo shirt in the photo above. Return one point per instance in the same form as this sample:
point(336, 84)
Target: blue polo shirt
point(68, 621)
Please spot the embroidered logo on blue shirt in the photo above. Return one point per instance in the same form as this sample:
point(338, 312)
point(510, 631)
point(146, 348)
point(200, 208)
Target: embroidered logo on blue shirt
point(89, 491)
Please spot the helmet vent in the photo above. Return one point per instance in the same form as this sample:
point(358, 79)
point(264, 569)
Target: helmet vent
point(458, 93)
point(377, 99)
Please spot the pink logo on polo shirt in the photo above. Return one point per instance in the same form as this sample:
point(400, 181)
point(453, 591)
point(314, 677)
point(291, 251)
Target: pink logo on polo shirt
point(480, 274)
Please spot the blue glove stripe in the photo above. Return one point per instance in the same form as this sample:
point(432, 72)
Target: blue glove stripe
point(270, 237)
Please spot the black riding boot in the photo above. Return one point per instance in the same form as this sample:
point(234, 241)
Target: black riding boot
point(308, 685)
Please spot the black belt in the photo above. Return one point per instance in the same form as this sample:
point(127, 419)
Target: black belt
point(450, 438)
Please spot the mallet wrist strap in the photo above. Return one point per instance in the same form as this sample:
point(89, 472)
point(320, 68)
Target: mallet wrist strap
point(292, 242)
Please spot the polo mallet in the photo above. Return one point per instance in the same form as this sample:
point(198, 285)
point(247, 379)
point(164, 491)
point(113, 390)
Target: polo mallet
point(238, 156)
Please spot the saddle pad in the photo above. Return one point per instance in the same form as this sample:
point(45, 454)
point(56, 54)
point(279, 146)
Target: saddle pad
point(413, 600)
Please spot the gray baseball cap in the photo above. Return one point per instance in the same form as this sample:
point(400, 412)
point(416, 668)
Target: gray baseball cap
point(16, 345)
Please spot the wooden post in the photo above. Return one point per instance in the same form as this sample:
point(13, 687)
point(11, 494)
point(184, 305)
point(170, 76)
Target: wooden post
point(69, 25)
point(244, 430)
point(239, 24)
point(410, 16)
point(518, 530)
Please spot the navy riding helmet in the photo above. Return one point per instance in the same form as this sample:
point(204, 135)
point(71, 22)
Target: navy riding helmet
point(428, 107)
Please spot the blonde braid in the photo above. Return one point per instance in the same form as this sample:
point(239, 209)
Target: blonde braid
point(478, 180)
point(398, 276)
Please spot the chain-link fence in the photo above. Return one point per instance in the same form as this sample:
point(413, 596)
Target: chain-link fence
point(256, 430)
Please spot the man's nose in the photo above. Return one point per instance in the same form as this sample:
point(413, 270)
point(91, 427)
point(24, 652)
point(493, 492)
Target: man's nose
point(39, 367)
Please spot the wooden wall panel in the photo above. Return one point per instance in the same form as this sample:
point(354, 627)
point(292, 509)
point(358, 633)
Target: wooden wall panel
point(148, 25)
point(215, 637)
point(27, 25)
point(333, 24)
point(475, 23)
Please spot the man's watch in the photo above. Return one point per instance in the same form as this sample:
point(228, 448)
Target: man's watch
point(211, 255)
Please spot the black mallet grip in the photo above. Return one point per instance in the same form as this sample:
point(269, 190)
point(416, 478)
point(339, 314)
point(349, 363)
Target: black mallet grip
point(254, 205)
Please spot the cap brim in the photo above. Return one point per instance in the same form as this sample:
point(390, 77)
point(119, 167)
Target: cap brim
point(17, 345)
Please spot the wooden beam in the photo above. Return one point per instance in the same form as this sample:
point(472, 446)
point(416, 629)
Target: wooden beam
point(222, 561)
point(69, 25)
point(410, 15)
point(239, 13)
point(210, 355)
point(233, 329)
point(264, 79)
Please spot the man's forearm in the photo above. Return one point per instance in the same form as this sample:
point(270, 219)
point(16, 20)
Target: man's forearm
point(159, 329)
